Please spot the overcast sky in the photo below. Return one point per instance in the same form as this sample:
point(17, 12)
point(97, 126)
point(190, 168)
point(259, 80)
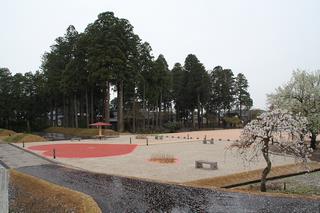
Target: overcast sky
point(264, 39)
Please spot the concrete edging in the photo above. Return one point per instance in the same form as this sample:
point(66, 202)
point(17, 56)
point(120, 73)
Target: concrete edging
point(4, 194)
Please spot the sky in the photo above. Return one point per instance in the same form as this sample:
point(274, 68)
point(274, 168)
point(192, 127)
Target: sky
point(263, 39)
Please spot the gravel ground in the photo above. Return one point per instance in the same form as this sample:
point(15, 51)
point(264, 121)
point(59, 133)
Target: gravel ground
point(137, 164)
point(119, 194)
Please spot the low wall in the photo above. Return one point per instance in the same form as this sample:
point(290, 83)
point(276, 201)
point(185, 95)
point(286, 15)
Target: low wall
point(4, 181)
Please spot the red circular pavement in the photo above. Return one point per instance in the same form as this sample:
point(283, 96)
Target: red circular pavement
point(84, 150)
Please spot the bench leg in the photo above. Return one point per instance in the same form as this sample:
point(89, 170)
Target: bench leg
point(214, 166)
point(198, 165)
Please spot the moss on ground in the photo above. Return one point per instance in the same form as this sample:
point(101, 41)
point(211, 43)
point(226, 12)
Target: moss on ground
point(81, 132)
point(30, 194)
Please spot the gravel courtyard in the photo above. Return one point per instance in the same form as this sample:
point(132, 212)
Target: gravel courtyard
point(137, 164)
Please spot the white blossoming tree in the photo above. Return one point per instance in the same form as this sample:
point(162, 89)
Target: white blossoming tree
point(279, 129)
point(301, 95)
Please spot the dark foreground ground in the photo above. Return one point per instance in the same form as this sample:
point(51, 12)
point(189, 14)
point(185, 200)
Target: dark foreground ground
point(119, 194)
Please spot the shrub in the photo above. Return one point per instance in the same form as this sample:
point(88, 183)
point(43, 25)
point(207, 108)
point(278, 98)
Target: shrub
point(141, 136)
point(232, 121)
point(172, 126)
point(6, 132)
point(163, 158)
point(21, 137)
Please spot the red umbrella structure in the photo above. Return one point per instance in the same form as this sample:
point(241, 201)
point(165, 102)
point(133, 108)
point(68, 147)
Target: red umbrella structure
point(100, 124)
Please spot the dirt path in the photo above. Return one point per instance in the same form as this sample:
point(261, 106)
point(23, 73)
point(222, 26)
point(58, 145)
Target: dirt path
point(119, 194)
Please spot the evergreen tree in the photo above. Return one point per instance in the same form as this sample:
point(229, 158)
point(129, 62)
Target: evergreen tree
point(242, 95)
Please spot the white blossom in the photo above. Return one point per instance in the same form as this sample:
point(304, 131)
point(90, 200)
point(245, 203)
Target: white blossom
point(278, 128)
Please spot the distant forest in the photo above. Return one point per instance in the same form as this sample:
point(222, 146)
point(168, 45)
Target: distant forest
point(81, 70)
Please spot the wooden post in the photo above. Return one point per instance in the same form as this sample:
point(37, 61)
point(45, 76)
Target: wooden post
point(100, 132)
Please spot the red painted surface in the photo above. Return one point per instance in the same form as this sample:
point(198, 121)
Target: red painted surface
point(84, 150)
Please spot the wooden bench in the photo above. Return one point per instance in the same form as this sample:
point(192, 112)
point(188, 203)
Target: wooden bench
point(208, 141)
point(159, 137)
point(75, 139)
point(213, 165)
point(101, 137)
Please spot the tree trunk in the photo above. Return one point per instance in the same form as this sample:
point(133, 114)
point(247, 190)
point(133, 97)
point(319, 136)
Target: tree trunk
point(71, 112)
point(156, 108)
point(92, 116)
point(177, 115)
point(265, 172)
point(80, 108)
point(207, 119)
point(193, 121)
point(148, 118)
point(75, 111)
point(313, 140)
point(134, 116)
point(107, 103)
point(67, 115)
point(199, 118)
point(171, 113)
point(160, 110)
point(7, 123)
point(240, 111)
point(120, 106)
point(28, 125)
point(64, 111)
point(51, 116)
point(87, 109)
point(56, 114)
point(144, 108)
point(155, 118)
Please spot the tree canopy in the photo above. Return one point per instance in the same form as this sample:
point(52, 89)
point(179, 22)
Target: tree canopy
point(82, 71)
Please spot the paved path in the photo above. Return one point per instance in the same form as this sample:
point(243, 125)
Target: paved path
point(13, 157)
